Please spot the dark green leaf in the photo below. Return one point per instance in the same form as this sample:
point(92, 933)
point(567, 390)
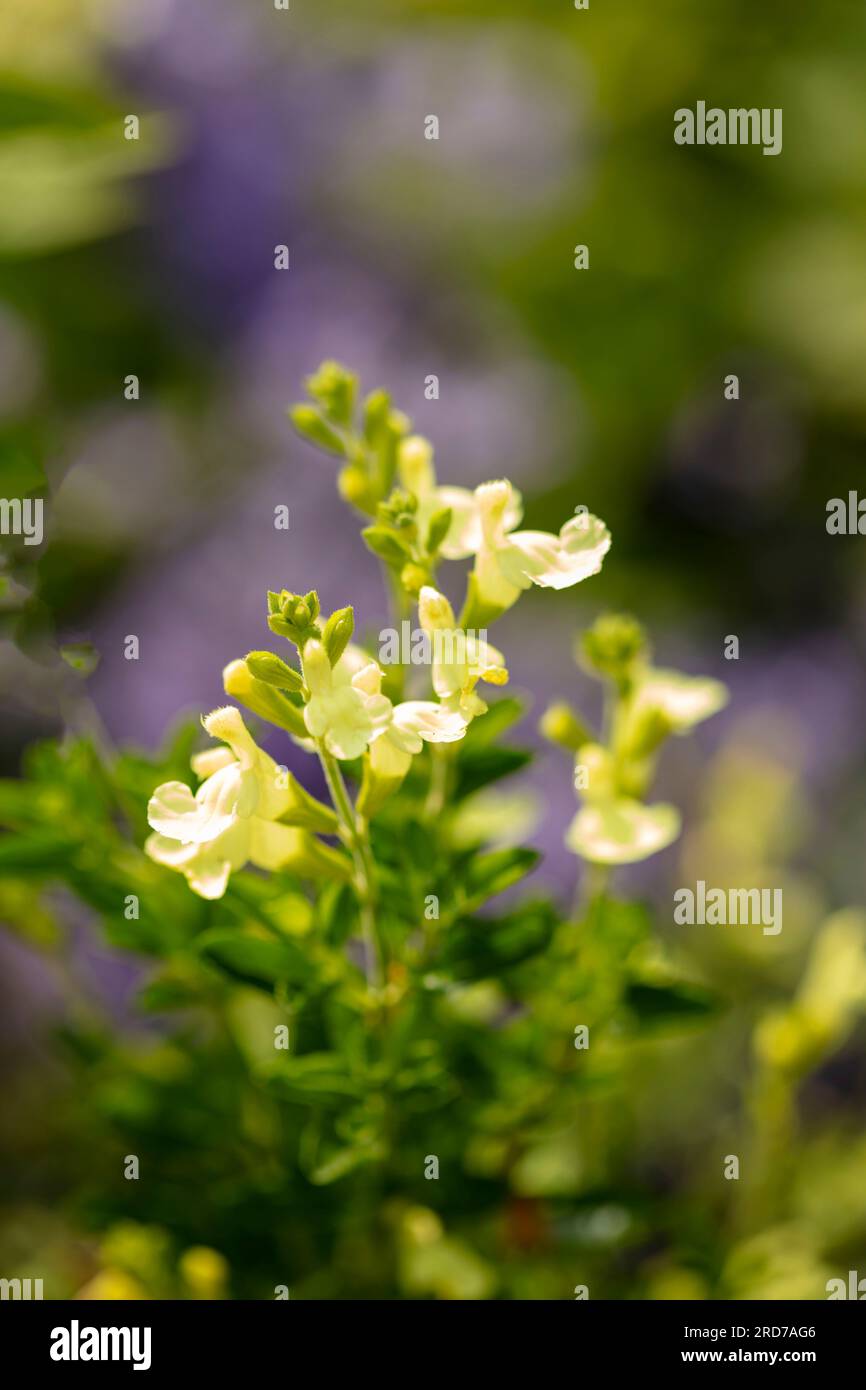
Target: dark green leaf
point(476, 947)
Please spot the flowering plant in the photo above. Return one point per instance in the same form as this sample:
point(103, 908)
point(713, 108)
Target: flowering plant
point(382, 1081)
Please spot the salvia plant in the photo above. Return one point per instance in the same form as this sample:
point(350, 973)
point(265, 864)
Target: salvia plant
point(393, 1072)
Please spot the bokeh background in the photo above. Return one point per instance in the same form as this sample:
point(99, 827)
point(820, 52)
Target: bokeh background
point(455, 257)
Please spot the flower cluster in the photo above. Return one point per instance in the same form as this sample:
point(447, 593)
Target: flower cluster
point(646, 705)
point(334, 699)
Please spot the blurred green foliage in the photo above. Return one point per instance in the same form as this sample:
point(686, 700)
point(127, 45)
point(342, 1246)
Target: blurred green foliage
point(310, 1166)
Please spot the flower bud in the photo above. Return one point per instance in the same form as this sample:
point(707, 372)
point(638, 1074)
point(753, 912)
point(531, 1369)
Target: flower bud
point(356, 488)
point(263, 700)
point(310, 425)
point(317, 668)
point(337, 633)
point(559, 724)
point(612, 646)
point(271, 669)
point(434, 610)
point(413, 578)
point(294, 615)
point(415, 464)
point(333, 388)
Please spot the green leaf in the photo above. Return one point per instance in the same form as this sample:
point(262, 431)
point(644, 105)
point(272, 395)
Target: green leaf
point(168, 992)
point(662, 1005)
point(478, 767)
point(316, 1078)
point(501, 715)
point(256, 959)
point(20, 473)
point(41, 851)
point(337, 1163)
point(479, 947)
point(486, 875)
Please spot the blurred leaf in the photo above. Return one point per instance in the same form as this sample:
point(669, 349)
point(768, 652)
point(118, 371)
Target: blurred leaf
point(478, 767)
point(64, 186)
point(478, 947)
point(257, 960)
point(81, 656)
point(316, 1078)
point(486, 875)
point(660, 1005)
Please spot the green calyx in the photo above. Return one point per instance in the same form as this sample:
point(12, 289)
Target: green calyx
point(294, 616)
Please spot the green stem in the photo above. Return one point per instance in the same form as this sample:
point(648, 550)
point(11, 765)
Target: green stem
point(401, 608)
point(354, 831)
point(437, 791)
point(592, 884)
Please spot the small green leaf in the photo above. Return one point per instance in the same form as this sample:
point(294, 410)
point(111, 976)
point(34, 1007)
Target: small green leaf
point(501, 714)
point(663, 1005)
point(317, 1078)
point(486, 875)
point(41, 851)
point(478, 767)
point(256, 959)
point(478, 947)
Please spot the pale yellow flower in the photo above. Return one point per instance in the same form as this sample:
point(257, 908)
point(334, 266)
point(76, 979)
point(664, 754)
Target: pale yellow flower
point(460, 658)
point(345, 714)
point(233, 817)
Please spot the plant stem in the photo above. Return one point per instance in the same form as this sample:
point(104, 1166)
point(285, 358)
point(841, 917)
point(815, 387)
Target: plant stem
point(401, 608)
point(354, 831)
point(592, 884)
point(437, 791)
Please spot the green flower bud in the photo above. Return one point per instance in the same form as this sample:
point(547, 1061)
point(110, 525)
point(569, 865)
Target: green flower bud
point(559, 724)
point(356, 488)
point(413, 578)
point(337, 633)
point(386, 545)
point(271, 669)
point(398, 512)
point(262, 699)
point(376, 410)
point(613, 646)
point(440, 523)
point(294, 616)
point(310, 425)
point(334, 388)
point(399, 423)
